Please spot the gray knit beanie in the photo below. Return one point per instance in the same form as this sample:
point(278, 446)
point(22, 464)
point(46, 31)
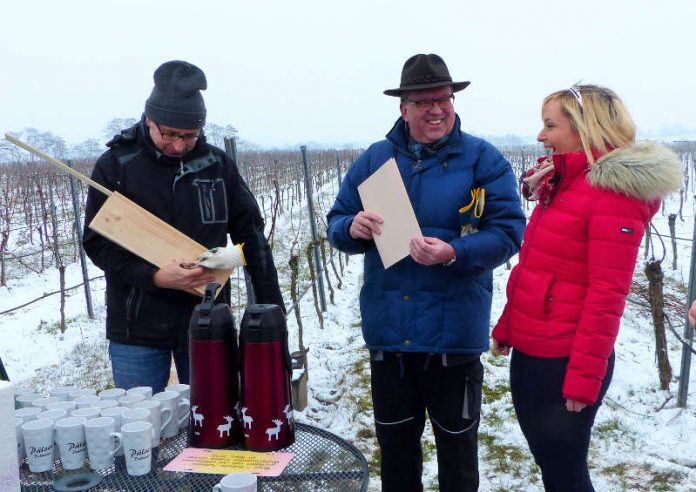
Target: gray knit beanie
point(176, 100)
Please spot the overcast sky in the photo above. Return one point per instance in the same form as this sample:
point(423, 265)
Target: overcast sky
point(291, 72)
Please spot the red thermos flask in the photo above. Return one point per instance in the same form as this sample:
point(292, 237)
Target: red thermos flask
point(214, 376)
point(265, 365)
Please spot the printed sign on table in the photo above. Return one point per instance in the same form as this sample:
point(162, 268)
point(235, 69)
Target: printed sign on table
point(225, 461)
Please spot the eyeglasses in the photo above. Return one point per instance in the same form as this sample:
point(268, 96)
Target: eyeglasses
point(426, 104)
point(173, 136)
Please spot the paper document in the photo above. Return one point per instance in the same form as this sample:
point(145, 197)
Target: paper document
point(385, 194)
point(224, 461)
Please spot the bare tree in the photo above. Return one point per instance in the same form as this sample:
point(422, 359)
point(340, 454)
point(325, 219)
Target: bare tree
point(90, 148)
point(115, 126)
point(216, 134)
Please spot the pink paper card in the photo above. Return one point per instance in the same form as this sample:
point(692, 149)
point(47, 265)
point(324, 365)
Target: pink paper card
point(225, 461)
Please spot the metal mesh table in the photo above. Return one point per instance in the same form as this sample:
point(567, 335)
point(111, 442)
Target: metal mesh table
point(323, 462)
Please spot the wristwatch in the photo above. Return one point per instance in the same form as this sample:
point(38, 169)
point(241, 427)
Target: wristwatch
point(449, 262)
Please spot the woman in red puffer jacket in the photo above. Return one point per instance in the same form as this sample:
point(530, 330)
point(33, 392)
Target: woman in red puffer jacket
point(597, 191)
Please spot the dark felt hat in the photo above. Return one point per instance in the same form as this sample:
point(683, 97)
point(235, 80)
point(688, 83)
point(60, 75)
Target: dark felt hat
point(176, 99)
point(425, 72)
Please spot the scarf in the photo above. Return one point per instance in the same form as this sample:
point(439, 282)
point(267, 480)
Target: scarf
point(539, 182)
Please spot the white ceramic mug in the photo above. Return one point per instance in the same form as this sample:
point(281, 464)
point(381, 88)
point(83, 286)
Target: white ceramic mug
point(42, 402)
point(67, 405)
point(27, 413)
point(102, 442)
point(22, 391)
point(146, 391)
point(72, 444)
point(86, 412)
point(112, 393)
point(137, 447)
point(85, 400)
point(38, 444)
point(62, 392)
point(159, 417)
point(237, 482)
point(184, 391)
point(20, 441)
point(128, 400)
point(115, 413)
point(135, 415)
point(102, 404)
point(25, 399)
point(76, 393)
point(171, 400)
point(53, 415)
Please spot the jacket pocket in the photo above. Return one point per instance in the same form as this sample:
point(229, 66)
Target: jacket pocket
point(471, 406)
point(212, 200)
point(533, 293)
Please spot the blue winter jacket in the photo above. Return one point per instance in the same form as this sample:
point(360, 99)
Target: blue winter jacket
point(435, 309)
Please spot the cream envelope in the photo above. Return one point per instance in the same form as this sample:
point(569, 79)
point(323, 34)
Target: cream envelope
point(384, 193)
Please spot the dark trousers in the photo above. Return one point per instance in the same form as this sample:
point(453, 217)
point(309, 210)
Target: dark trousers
point(404, 386)
point(558, 439)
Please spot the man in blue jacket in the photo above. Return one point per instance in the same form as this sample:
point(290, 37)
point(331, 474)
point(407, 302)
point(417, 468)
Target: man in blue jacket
point(164, 164)
point(426, 319)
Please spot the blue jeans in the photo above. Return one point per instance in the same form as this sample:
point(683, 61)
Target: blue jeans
point(137, 365)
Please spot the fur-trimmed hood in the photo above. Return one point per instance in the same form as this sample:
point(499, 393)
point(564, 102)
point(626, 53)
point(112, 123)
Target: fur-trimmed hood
point(644, 171)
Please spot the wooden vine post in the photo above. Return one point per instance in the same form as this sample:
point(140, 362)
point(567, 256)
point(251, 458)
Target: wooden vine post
point(300, 368)
point(653, 270)
point(310, 249)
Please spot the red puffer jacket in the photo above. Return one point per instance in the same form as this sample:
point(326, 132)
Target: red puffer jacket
point(566, 295)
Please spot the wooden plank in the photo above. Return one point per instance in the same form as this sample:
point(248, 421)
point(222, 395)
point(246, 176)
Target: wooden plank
point(134, 228)
point(147, 236)
point(57, 163)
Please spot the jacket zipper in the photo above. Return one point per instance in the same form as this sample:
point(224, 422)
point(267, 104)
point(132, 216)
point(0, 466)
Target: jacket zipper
point(129, 304)
point(523, 260)
point(179, 173)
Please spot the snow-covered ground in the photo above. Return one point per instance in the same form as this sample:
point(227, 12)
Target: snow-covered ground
point(642, 440)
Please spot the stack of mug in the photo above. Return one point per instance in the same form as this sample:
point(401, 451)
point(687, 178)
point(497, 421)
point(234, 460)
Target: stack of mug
point(77, 424)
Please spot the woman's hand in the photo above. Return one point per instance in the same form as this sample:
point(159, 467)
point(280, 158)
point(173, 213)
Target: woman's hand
point(499, 348)
point(364, 225)
point(574, 406)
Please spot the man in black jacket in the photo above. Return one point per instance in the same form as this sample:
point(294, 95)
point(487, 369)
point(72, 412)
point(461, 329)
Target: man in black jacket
point(164, 164)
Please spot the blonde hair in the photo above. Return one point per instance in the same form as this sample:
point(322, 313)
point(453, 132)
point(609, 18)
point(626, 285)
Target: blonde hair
point(598, 116)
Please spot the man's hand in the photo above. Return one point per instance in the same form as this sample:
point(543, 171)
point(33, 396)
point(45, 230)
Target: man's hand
point(173, 276)
point(364, 225)
point(430, 251)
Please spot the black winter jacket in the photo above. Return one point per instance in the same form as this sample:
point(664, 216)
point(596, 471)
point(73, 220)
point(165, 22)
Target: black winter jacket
point(202, 195)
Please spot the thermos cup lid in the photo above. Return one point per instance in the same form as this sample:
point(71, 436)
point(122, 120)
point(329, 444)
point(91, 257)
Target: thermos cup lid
point(263, 323)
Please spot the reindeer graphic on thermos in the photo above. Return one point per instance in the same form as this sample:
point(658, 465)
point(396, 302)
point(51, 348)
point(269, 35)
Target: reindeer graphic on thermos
point(265, 365)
